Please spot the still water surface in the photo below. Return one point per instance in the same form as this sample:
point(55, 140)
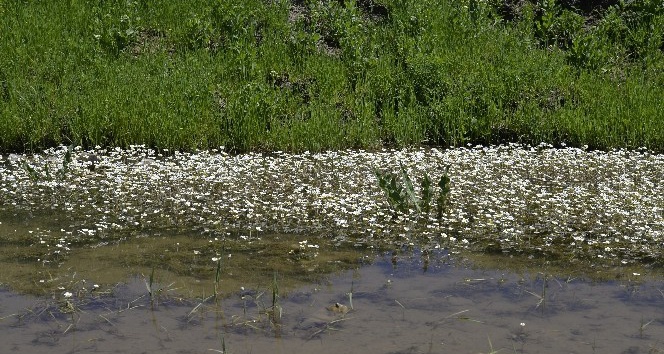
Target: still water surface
point(397, 307)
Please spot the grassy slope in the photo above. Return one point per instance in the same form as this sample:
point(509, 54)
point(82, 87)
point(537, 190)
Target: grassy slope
point(252, 74)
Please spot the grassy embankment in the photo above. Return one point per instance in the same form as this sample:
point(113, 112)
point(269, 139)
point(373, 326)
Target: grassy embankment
point(308, 75)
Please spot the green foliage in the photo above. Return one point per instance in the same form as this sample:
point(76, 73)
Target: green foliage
point(402, 196)
point(353, 74)
point(555, 26)
point(44, 174)
point(276, 309)
point(4, 87)
point(217, 277)
point(473, 10)
point(199, 33)
point(115, 28)
point(427, 194)
point(150, 284)
point(444, 191)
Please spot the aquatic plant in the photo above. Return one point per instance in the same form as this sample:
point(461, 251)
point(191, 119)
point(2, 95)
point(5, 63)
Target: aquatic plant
point(44, 173)
point(643, 326)
point(569, 206)
point(442, 201)
point(402, 196)
point(217, 277)
point(150, 286)
point(222, 342)
point(276, 310)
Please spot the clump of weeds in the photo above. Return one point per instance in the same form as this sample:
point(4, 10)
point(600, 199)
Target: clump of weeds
point(44, 173)
point(402, 195)
point(276, 310)
point(155, 291)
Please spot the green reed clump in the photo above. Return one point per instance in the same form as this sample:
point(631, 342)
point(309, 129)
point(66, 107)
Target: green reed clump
point(402, 196)
point(443, 199)
point(43, 173)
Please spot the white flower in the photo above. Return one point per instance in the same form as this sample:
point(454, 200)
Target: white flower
point(67, 294)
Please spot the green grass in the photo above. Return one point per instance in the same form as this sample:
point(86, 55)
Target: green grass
point(257, 75)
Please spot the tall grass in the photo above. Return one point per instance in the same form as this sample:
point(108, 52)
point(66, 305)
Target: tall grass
point(291, 75)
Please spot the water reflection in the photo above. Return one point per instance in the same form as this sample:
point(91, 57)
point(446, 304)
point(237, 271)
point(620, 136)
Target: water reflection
point(397, 303)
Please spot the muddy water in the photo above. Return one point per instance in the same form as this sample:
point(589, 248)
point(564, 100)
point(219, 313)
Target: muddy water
point(397, 307)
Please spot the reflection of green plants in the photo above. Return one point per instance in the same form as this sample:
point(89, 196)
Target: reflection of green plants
point(149, 284)
point(217, 277)
point(267, 316)
point(492, 351)
point(329, 326)
point(223, 345)
point(542, 296)
point(402, 196)
point(155, 291)
point(276, 310)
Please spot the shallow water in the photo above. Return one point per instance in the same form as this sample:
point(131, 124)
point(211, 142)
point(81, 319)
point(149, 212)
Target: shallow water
point(397, 308)
point(539, 250)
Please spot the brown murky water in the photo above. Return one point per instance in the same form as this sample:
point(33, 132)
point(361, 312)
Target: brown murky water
point(396, 308)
